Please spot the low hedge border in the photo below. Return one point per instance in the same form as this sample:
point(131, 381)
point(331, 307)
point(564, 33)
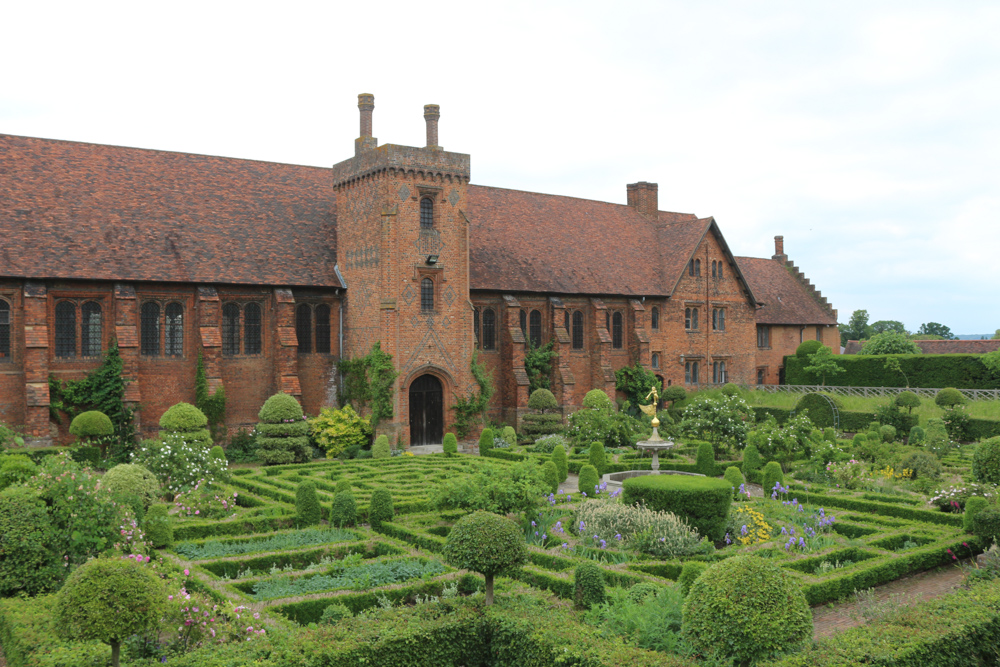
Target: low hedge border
point(504, 455)
point(886, 509)
point(209, 529)
point(429, 542)
point(299, 559)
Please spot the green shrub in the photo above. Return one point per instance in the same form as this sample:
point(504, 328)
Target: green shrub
point(642, 591)
point(187, 420)
point(218, 454)
point(542, 400)
point(986, 461)
point(534, 426)
point(178, 463)
point(973, 506)
point(830, 435)
point(381, 450)
point(28, 562)
point(109, 600)
point(486, 440)
point(16, 468)
point(614, 429)
point(562, 463)
point(807, 348)
point(596, 399)
point(508, 435)
point(703, 501)
point(135, 480)
point(922, 464)
point(588, 480)
point(748, 609)
point(949, 397)
point(283, 432)
point(502, 490)
point(344, 510)
point(9, 437)
point(888, 433)
point(986, 525)
point(307, 510)
point(588, 585)
point(772, 475)
point(92, 424)
point(817, 407)
point(689, 574)
point(338, 431)
point(450, 444)
point(916, 435)
point(705, 463)
point(158, 527)
point(907, 400)
point(638, 528)
point(333, 613)
point(380, 508)
point(343, 484)
point(752, 463)
point(486, 543)
point(735, 478)
point(859, 439)
point(598, 458)
point(890, 342)
point(551, 475)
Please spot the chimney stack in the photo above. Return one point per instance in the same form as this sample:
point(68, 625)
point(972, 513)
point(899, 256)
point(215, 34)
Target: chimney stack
point(366, 103)
point(643, 197)
point(432, 112)
point(779, 249)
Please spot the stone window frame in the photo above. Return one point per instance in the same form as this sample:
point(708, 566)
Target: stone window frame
point(719, 373)
point(489, 329)
point(654, 360)
point(617, 330)
point(718, 319)
point(691, 374)
point(654, 318)
point(163, 328)
point(77, 303)
point(6, 331)
point(240, 333)
point(764, 336)
point(578, 317)
point(320, 328)
point(691, 318)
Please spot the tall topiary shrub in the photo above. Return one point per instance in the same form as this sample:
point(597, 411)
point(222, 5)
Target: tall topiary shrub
point(705, 463)
point(752, 464)
point(551, 476)
point(735, 478)
point(562, 463)
point(772, 475)
point(344, 510)
point(936, 436)
point(598, 458)
point(986, 525)
point(307, 510)
point(486, 543)
point(588, 585)
point(450, 444)
point(28, 562)
point(542, 400)
point(283, 433)
point(746, 608)
point(986, 461)
point(588, 480)
point(916, 436)
point(187, 421)
point(973, 506)
point(689, 573)
point(380, 508)
point(158, 527)
point(701, 501)
point(381, 450)
point(109, 601)
point(486, 440)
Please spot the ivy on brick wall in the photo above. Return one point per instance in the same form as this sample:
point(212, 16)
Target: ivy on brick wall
point(213, 406)
point(368, 384)
point(467, 409)
point(538, 365)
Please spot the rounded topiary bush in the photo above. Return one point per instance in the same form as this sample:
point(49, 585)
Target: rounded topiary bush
point(888, 432)
point(916, 435)
point(598, 458)
point(752, 463)
point(92, 424)
point(486, 440)
point(986, 461)
point(807, 347)
point(16, 468)
point(551, 475)
point(450, 444)
point(770, 476)
point(218, 454)
point(596, 399)
point(747, 609)
point(986, 525)
point(344, 509)
point(509, 435)
point(907, 400)
point(817, 407)
point(486, 543)
point(588, 480)
point(561, 461)
point(28, 563)
point(381, 449)
point(859, 440)
point(542, 400)
point(380, 508)
point(702, 501)
point(705, 462)
point(922, 464)
point(307, 510)
point(643, 590)
point(334, 613)
point(109, 601)
point(588, 585)
point(132, 479)
point(949, 397)
point(734, 477)
point(158, 527)
point(973, 506)
point(283, 432)
point(187, 420)
point(689, 573)
point(936, 436)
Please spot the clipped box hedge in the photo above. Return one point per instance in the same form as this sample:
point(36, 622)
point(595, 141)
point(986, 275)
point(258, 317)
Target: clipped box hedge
point(703, 501)
point(962, 371)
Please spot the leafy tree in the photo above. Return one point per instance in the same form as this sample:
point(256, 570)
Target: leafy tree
point(856, 328)
point(723, 421)
point(996, 335)
point(890, 342)
point(888, 325)
point(908, 400)
point(936, 329)
point(823, 363)
point(538, 365)
point(486, 543)
point(992, 362)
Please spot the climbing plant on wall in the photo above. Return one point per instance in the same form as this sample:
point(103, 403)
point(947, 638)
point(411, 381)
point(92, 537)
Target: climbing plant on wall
point(468, 408)
point(213, 406)
point(368, 383)
point(538, 365)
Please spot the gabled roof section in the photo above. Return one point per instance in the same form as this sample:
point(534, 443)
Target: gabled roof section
point(685, 239)
point(785, 300)
point(87, 211)
point(531, 242)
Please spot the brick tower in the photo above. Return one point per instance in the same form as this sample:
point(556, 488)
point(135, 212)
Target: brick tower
point(402, 239)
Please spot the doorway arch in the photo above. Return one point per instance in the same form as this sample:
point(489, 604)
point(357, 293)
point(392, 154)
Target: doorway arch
point(426, 411)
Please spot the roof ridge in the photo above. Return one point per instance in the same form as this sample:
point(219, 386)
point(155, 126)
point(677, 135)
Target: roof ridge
point(596, 201)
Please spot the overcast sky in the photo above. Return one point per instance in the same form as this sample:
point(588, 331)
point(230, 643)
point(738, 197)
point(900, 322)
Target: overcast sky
point(867, 133)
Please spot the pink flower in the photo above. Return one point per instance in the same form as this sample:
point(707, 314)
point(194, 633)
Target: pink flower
point(186, 573)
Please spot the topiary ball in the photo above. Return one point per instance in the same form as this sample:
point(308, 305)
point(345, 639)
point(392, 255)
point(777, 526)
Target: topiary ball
point(132, 479)
point(689, 573)
point(598, 458)
point(307, 510)
point(381, 450)
point(888, 432)
point(486, 543)
point(218, 454)
point(509, 435)
point(735, 478)
point(752, 463)
point(333, 613)
point(280, 408)
point(643, 590)
point(748, 609)
point(705, 463)
point(949, 397)
point(908, 400)
point(916, 435)
point(158, 528)
point(542, 400)
point(807, 347)
point(986, 461)
point(183, 418)
point(772, 475)
point(973, 506)
point(343, 484)
point(986, 525)
point(486, 440)
point(450, 444)
point(551, 475)
point(589, 479)
point(596, 399)
point(380, 508)
point(588, 585)
point(92, 424)
point(561, 461)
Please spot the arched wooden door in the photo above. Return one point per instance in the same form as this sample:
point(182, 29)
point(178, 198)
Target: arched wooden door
point(426, 411)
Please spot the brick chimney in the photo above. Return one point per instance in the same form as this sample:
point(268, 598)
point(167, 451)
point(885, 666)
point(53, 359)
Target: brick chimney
point(643, 197)
point(432, 112)
point(779, 249)
point(366, 142)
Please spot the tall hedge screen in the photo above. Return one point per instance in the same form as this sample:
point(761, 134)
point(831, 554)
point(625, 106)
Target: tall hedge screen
point(964, 371)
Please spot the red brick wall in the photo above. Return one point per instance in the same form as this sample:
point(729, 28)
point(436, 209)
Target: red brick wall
point(12, 394)
point(785, 339)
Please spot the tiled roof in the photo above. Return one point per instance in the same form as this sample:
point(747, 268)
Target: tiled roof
point(958, 346)
point(785, 299)
point(531, 242)
point(87, 211)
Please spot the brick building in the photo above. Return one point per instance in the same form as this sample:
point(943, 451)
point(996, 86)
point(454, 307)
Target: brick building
point(271, 272)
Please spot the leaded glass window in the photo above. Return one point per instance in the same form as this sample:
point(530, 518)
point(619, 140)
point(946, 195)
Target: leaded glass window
point(252, 328)
point(303, 327)
point(4, 331)
point(149, 329)
point(426, 294)
point(655, 361)
point(323, 328)
point(90, 329)
point(616, 331)
point(426, 213)
point(476, 331)
point(66, 329)
point(654, 318)
point(524, 323)
point(489, 329)
point(577, 330)
point(535, 328)
point(230, 329)
point(174, 338)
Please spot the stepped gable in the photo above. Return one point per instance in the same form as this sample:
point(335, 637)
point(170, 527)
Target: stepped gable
point(531, 242)
point(785, 299)
point(92, 212)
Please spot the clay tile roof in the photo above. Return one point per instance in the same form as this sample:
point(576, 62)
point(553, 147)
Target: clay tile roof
point(88, 211)
point(531, 242)
point(958, 346)
point(785, 299)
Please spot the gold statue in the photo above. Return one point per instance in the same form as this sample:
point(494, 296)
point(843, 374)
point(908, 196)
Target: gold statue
point(651, 410)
